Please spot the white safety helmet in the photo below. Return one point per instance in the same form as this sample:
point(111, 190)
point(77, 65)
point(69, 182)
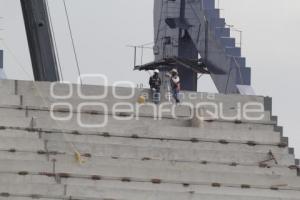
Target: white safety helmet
point(156, 71)
point(174, 71)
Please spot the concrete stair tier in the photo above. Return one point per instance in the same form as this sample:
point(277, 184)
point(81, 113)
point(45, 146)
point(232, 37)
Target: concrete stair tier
point(48, 152)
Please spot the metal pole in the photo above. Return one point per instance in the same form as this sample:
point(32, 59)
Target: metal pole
point(142, 54)
point(241, 38)
point(206, 41)
point(134, 56)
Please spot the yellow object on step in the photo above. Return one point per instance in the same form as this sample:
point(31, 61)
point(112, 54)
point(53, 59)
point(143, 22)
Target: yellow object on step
point(141, 99)
point(78, 158)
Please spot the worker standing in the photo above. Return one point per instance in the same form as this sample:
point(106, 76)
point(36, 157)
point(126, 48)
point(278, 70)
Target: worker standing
point(175, 85)
point(155, 83)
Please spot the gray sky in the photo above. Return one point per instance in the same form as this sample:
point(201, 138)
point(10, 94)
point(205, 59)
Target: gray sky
point(102, 29)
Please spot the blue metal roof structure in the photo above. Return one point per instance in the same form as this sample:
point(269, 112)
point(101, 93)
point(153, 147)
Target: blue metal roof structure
point(194, 31)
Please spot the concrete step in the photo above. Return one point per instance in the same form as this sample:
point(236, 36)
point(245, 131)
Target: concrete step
point(24, 156)
point(98, 122)
point(21, 144)
point(108, 191)
point(151, 147)
point(186, 155)
point(140, 142)
point(176, 133)
point(11, 112)
point(221, 112)
point(151, 133)
point(222, 146)
point(172, 176)
point(186, 97)
point(14, 121)
point(7, 87)
point(42, 119)
point(21, 165)
point(33, 190)
point(149, 128)
point(206, 112)
point(135, 190)
point(188, 167)
point(68, 91)
point(91, 120)
point(10, 100)
point(84, 142)
point(25, 198)
point(63, 92)
point(206, 194)
point(26, 179)
point(14, 133)
point(67, 166)
point(157, 154)
point(39, 95)
point(14, 179)
point(228, 103)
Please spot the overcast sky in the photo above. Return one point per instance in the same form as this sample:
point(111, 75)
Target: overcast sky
point(103, 28)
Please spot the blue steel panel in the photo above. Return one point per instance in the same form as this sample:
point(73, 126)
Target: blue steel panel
point(199, 30)
point(208, 4)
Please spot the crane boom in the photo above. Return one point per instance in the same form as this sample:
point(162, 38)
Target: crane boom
point(40, 40)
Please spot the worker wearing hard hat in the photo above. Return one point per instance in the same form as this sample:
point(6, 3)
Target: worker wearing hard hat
point(175, 85)
point(155, 83)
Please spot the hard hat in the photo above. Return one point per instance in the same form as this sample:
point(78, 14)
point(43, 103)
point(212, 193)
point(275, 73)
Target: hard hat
point(175, 71)
point(156, 71)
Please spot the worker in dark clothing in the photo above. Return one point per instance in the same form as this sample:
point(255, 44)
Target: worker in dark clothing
point(175, 85)
point(155, 83)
